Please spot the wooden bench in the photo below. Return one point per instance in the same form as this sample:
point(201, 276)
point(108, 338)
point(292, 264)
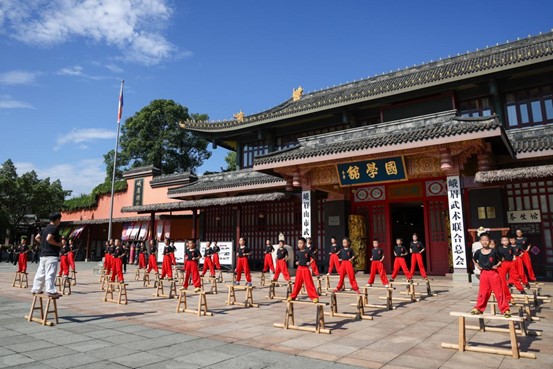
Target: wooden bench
point(220, 276)
point(289, 322)
point(182, 306)
point(272, 291)
point(146, 282)
point(73, 278)
point(523, 331)
point(463, 344)
point(172, 289)
point(102, 275)
point(179, 272)
point(104, 280)
point(137, 276)
point(524, 302)
point(410, 291)
point(63, 285)
point(21, 280)
point(389, 297)
point(51, 302)
point(360, 306)
point(262, 279)
point(121, 288)
point(213, 283)
point(231, 297)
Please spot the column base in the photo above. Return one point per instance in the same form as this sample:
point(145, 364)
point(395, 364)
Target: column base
point(461, 275)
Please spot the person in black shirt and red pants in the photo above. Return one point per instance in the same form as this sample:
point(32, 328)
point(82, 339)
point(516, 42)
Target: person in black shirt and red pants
point(303, 274)
point(268, 259)
point(346, 256)
point(242, 262)
point(282, 263)
point(377, 265)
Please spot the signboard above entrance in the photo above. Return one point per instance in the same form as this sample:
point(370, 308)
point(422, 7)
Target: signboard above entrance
point(372, 171)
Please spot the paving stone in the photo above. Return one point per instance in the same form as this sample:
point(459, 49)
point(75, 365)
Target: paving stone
point(12, 360)
point(71, 361)
point(138, 359)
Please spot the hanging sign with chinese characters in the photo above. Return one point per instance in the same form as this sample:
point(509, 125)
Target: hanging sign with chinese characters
point(456, 223)
point(306, 213)
point(372, 171)
point(524, 216)
point(138, 192)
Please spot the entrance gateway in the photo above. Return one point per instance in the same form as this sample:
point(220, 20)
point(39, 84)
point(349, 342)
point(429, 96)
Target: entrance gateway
point(400, 209)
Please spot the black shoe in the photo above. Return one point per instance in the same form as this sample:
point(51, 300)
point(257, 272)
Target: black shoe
point(527, 285)
point(523, 292)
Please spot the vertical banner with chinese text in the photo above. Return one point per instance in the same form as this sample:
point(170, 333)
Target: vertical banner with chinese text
point(306, 214)
point(454, 194)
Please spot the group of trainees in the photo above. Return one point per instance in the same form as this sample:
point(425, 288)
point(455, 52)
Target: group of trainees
point(66, 256)
point(502, 267)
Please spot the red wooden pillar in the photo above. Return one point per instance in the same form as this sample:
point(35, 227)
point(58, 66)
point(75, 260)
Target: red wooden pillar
point(194, 224)
point(152, 225)
point(87, 254)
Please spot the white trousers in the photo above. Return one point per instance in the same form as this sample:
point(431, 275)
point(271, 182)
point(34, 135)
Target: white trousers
point(46, 275)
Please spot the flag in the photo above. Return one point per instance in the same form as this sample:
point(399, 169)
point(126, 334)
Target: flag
point(120, 110)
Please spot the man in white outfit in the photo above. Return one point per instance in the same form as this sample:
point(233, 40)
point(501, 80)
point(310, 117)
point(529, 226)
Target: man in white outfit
point(50, 241)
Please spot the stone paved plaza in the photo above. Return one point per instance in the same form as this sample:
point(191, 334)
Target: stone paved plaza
point(148, 333)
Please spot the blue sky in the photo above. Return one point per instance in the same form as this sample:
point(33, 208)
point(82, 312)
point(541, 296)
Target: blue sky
point(61, 61)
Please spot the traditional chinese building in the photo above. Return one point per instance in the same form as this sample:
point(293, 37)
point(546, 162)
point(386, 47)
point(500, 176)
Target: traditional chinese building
point(437, 149)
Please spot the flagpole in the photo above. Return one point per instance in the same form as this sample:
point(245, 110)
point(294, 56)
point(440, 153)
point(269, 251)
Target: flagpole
point(119, 112)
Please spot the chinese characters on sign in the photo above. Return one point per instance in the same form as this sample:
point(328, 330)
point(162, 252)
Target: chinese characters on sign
point(138, 192)
point(524, 216)
point(306, 213)
point(456, 222)
point(372, 171)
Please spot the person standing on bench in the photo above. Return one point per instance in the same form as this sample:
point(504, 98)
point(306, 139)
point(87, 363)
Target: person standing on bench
point(166, 269)
point(23, 250)
point(334, 260)
point(303, 274)
point(152, 260)
point(377, 266)
point(208, 262)
point(488, 261)
point(242, 262)
point(282, 263)
point(71, 254)
point(118, 255)
point(50, 243)
point(526, 260)
point(519, 251)
point(191, 266)
point(400, 252)
point(107, 259)
point(142, 256)
point(417, 248)
point(216, 250)
point(346, 256)
point(507, 256)
point(313, 250)
point(172, 254)
point(268, 258)
point(64, 258)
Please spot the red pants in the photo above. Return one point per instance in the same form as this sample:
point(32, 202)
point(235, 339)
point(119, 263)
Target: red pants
point(282, 267)
point(503, 270)
point(417, 259)
point(64, 265)
point(173, 259)
point(117, 270)
point(71, 259)
point(166, 269)
point(333, 263)
point(107, 263)
point(527, 261)
point(377, 266)
point(399, 262)
point(242, 264)
point(314, 268)
point(22, 263)
point(268, 263)
point(509, 267)
point(520, 270)
point(216, 262)
point(141, 261)
point(490, 280)
point(152, 264)
point(192, 269)
point(303, 275)
point(346, 267)
point(208, 264)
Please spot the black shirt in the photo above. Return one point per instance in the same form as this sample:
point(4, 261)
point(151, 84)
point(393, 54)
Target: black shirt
point(522, 241)
point(216, 249)
point(346, 254)
point(486, 262)
point(111, 249)
point(282, 253)
point(519, 250)
point(191, 254)
point(208, 252)
point(416, 247)
point(399, 251)
point(46, 248)
point(377, 254)
point(22, 248)
point(242, 251)
point(335, 249)
point(303, 257)
point(153, 249)
point(313, 250)
point(269, 249)
point(118, 252)
point(167, 250)
point(64, 250)
point(507, 253)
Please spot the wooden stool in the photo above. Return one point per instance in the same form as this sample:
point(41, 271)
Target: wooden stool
point(463, 344)
point(172, 289)
point(21, 280)
point(289, 318)
point(137, 275)
point(213, 282)
point(389, 299)
point(119, 287)
point(231, 297)
point(63, 285)
point(73, 278)
point(104, 280)
point(262, 282)
point(220, 276)
point(202, 304)
point(272, 291)
point(318, 286)
point(146, 280)
point(180, 275)
point(327, 282)
point(156, 275)
point(410, 291)
point(51, 302)
point(102, 274)
point(360, 305)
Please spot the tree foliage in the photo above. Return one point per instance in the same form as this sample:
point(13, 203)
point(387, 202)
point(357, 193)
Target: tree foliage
point(153, 137)
point(90, 201)
point(26, 194)
point(230, 159)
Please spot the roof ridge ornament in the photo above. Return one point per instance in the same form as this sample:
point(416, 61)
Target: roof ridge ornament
point(297, 93)
point(239, 116)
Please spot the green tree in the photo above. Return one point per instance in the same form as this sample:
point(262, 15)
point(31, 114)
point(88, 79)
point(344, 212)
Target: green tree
point(153, 137)
point(230, 159)
point(26, 194)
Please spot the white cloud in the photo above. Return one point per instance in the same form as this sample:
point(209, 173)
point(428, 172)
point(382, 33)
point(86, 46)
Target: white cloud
point(80, 177)
point(78, 71)
point(18, 77)
point(114, 68)
point(133, 26)
point(8, 102)
point(81, 136)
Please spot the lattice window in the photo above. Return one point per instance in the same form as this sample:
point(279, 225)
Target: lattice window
point(437, 212)
point(219, 224)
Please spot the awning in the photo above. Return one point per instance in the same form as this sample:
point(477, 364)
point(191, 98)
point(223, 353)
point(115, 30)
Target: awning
point(501, 175)
point(204, 203)
point(114, 220)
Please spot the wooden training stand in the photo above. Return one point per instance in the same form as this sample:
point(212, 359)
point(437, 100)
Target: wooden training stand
point(272, 291)
point(360, 305)
point(146, 280)
point(231, 297)
point(410, 291)
point(463, 344)
point(289, 318)
point(137, 274)
point(219, 276)
point(63, 285)
point(262, 281)
point(172, 289)
point(21, 280)
point(213, 283)
point(51, 302)
point(389, 297)
point(73, 278)
point(202, 304)
point(121, 288)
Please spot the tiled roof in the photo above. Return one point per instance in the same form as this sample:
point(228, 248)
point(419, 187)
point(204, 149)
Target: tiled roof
point(506, 56)
point(225, 180)
point(172, 179)
point(139, 171)
point(510, 174)
point(405, 131)
point(531, 140)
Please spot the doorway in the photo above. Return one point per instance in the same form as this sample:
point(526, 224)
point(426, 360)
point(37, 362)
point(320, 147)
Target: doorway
point(407, 218)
